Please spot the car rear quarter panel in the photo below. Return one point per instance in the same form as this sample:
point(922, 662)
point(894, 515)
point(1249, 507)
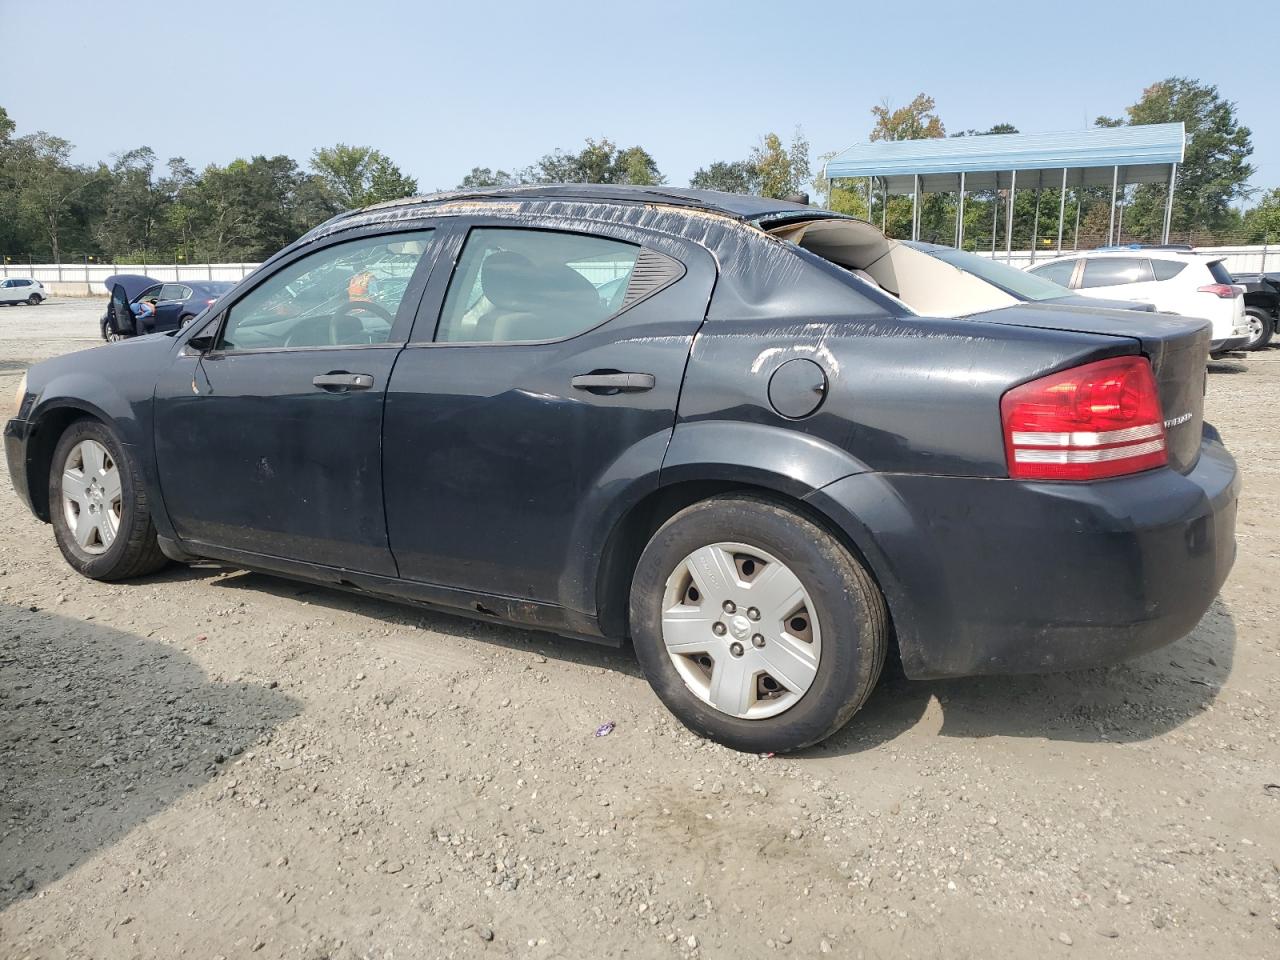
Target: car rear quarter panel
point(907, 396)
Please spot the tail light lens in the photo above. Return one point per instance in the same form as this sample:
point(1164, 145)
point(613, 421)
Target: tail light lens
point(1099, 420)
point(1224, 290)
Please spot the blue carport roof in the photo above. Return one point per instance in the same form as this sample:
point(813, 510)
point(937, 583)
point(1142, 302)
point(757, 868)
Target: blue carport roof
point(1143, 153)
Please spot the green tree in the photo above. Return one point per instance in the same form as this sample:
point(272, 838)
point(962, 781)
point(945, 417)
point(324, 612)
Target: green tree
point(599, 161)
point(782, 171)
point(485, 177)
point(360, 176)
point(636, 166)
point(737, 176)
point(246, 210)
point(918, 120)
point(1262, 223)
point(1215, 171)
point(48, 184)
point(135, 206)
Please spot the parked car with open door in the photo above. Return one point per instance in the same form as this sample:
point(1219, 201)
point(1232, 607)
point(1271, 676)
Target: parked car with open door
point(171, 304)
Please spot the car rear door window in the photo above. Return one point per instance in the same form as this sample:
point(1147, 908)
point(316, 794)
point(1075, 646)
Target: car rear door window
point(1167, 269)
point(344, 295)
point(1220, 273)
point(1115, 271)
point(1057, 272)
point(522, 286)
point(174, 291)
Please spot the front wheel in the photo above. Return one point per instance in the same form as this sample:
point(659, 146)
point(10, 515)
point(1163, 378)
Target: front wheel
point(1261, 329)
point(755, 626)
point(99, 507)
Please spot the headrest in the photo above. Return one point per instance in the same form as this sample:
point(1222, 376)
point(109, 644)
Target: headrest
point(511, 281)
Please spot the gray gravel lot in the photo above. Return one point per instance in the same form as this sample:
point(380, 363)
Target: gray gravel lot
point(220, 764)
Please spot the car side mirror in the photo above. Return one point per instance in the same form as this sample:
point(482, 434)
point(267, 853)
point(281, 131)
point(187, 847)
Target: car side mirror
point(202, 343)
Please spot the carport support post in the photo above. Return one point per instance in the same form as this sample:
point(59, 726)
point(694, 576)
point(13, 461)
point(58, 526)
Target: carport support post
point(915, 206)
point(1008, 222)
point(1062, 207)
point(1035, 222)
point(960, 216)
point(884, 210)
point(995, 216)
point(870, 190)
point(1075, 243)
point(1111, 225)
point(1168, 203)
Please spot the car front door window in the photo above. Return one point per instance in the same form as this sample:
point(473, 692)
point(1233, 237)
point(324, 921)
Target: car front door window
point(344, 295)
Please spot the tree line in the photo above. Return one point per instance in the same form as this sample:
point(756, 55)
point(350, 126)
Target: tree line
point(135, 207)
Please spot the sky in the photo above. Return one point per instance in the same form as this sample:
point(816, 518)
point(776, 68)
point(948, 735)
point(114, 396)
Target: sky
point(444, 87)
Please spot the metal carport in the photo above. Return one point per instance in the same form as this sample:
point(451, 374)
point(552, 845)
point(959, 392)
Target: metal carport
point(1119, 156)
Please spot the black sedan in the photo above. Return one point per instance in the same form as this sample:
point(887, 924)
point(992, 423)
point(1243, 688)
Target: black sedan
point(670, 417)
point(172, 304)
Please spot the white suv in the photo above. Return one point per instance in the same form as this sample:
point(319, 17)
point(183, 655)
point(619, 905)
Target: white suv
point(1174, 281)
point(22, 290)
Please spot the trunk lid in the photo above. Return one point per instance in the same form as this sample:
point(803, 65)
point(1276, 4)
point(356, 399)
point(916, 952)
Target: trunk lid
point(1177, 347)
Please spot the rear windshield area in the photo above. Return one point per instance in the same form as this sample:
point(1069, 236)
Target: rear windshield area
point(1220, 272)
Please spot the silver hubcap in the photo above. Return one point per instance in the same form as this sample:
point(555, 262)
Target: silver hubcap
point(91, 501)
point(739, 628)
point(1255, 328)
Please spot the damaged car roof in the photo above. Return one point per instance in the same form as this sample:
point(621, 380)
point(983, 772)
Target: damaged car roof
point(736, 205)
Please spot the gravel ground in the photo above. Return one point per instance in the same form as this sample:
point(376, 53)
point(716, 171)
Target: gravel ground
point(220, 764)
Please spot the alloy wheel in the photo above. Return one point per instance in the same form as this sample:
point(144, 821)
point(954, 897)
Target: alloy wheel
point(740, 629)
point(1255, 329)
point(91, 496)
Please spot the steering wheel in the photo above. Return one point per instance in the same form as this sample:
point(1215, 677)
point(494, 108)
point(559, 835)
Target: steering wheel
point(349, 308)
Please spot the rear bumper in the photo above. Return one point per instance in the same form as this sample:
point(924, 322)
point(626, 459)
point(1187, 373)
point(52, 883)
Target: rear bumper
point(1001, 576)
point(15, 455)
point(1231, 343)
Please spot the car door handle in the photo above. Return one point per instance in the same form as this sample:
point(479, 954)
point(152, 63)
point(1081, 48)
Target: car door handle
point(611, 381)
point(339, 381)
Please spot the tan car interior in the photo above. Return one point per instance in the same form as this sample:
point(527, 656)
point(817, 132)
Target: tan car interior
point(925, 284)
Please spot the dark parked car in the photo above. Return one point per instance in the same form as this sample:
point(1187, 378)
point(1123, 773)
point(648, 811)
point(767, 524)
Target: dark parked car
point(1261, 305)
point(176, 303)
point(761, 470)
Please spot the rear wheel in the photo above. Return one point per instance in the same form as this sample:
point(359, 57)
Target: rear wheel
point(1261, 328)
point(754, 626)
point(98, 505)
point(34, 300)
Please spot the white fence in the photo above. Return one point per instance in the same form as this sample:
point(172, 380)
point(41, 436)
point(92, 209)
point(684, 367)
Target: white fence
point(1238, 259)
point(86, 279)
point(89, 276)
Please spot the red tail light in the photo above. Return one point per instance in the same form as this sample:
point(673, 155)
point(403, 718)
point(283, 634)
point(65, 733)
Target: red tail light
point(1224, 290)
point(1100, 420)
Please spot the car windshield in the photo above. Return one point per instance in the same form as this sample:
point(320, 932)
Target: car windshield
point(1011, 280)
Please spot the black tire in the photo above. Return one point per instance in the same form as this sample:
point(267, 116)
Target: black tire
point(135, 550)
point(1264, 326)
point(849, 608)
point(33, 300)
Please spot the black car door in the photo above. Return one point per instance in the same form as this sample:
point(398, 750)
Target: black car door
point(269, 442)
point(550, 380)
point(170, 303)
